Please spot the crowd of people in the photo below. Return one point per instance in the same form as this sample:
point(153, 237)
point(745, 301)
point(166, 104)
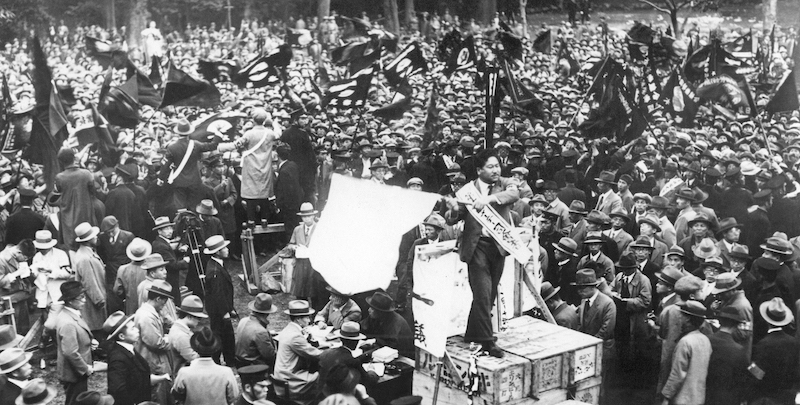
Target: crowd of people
point(679, 249)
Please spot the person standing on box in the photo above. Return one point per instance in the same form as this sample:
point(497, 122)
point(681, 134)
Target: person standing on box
point(484, 257)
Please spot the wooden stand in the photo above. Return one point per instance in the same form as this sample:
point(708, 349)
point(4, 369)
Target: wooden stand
point(250, 274)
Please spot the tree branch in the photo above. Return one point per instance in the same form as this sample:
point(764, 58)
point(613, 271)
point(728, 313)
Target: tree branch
point(655, 6)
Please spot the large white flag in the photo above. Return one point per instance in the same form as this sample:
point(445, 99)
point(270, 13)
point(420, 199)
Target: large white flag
point(356, 242)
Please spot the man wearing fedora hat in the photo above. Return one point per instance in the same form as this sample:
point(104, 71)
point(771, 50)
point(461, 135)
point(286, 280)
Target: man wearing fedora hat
point(596, 222)
point(254, 343)
point(577, 216)
point(597, 314)
point(348, 354)
point(565, 315)
point(126, 201)
point(386, 326)
point(561, 271)
point(129, 378)
point(203, 382)
point(728, 234)
point(727, 368)
point(434, 224)
point(658, 207)
point(617, 233)
point(340, 309)
point(307, 283)
point(690, 202)
point(91, 272)
point(686, 383)
point(632, 293)
point(15, 367)
point(180, 168)
point(295, 355)
point(112, 244)
point(776, 356)
point(649, 227)
point(52, 267)
point(592, 246)
point(190, 314)
point(607, 200)
point(154, 267)
point(219, 296)
point(727, 293)
point(153, 344)
point(164, 245)
point(131, 275)
point(36, 392)
point(76, 204)
point(758, 226)
point(288, 191)
point(23, 223)
point(74, 341)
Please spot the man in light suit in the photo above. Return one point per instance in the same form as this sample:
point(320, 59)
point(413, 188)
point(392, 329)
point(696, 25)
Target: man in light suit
point(153, 342)
point(608, 200)
point(688, 200)
point(295, 356)
point(484, 257)
point(91, 273)
point(181, 169)
point(75, 342)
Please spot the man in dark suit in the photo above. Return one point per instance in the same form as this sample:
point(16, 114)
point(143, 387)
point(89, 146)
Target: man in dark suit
point(776, 355)
point(181, 169)
point(597, 313)
point(15, 367)
point(570, 192)
point(433, 230)
point(219, 297)
point(24, 223)
point(484, 257)
point(727, 369)
point(128, 372)
point(112, 247)
point(75, 341)
point(288, 191)
point(347, 354)
point(301, 151)
point(254, 343)
point(162, 245)
point(120, 199)
point(76, 204)
point(757, 227)
point(562, 269)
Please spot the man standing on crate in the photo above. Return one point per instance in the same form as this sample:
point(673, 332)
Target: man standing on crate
point(483, 255)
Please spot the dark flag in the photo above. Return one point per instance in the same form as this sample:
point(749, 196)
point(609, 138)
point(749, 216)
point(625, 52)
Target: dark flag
point(98, 133)
point(264, 70)
point(44, 142)
point(348, 93)
point(344, 54)
point(385, 39)
point(361, 26)
point(512, 44)
point(785, 99)
point(206, 128)
point(106, 53)
point(361, 63)
point(649, 88)
point(183, 90)
point(462, 58)
point(640, 38)
point(409, 61)
point(741, 47)
point(431, 128)
point(155, 71)
point(217, 70)
point(543, 42)
point(120, 105)
point(146, 93)
point(450, 43)
point(679, 100)
point(637, 122)
point(5, 112)
point(713, 60)
point(566, 61)
point(523, 98)
point(491, 105)
point(395, 110)
point(725, 91)
point(608, 115)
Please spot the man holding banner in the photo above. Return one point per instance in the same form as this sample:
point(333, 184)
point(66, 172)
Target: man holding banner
point(484, 204)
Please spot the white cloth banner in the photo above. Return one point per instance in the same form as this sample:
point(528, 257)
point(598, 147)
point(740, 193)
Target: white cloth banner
point(355, 244)
point(439, 276)
point(494, 224)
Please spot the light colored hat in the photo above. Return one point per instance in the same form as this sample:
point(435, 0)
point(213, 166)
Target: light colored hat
point(215, 243)
point(350, 330)
point(307, 209)
point(706, 249)
point(44, 240)
point(13, 359)
point(775, 312)
point(162, 222)
point(115, 322)
point(84, 232)
point(138, 249)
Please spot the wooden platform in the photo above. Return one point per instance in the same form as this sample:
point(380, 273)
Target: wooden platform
point(544, 364)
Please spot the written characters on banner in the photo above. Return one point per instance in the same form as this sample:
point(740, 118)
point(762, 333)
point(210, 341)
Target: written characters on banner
point(497, 227)
point(441, 280)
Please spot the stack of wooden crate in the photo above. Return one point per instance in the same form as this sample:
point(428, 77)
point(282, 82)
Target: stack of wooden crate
point(544, 364)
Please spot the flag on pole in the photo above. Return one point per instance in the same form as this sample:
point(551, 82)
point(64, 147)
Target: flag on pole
point(543, 42)
point(264, 70)
point(785, 99)
point(408, 62)
point(348, 93)
point(741, 47)
point(395, 208)
point(462, 58)
point(106, 53)
point(183, 90)
point(679, 99)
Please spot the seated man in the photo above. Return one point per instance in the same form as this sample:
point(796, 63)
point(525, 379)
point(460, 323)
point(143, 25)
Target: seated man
point(254, 344)
point(296, 357)
point(387, 326)
point(348, 354)
point(340, 309)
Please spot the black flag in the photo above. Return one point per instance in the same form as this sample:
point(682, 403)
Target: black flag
point(462, 58)
point(184, 90)
point(543, 42)
point(106, 53)
point(348, 93)
point(785, 99)
point(264, 70)
point(408, 62)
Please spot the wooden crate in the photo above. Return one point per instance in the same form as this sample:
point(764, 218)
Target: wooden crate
point(501, 380)
point(560, 357)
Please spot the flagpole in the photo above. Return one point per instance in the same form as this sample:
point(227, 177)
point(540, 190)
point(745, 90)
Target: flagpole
point(586, 96)
point(145, 124)
point(764, 134)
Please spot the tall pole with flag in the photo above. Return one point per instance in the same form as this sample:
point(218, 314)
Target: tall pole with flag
point(492, 75)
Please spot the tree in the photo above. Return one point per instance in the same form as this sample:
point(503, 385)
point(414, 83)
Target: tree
point(137, 22)
point(409, 13)
point(392, 19)
point(770, 13)
point(671, 8)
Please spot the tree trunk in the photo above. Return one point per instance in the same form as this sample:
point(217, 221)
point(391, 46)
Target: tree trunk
point(247, 11)
point(409, 13)
point(523, 14)
point(390, 13)
point(137, 22)
point(673, 18)
point(323, 10)
point(488, 9)
point(770, 13)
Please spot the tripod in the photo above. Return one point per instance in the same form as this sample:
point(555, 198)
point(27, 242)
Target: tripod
point(190, 223)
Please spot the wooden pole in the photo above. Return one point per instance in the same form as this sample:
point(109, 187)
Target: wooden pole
point(438, 382)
